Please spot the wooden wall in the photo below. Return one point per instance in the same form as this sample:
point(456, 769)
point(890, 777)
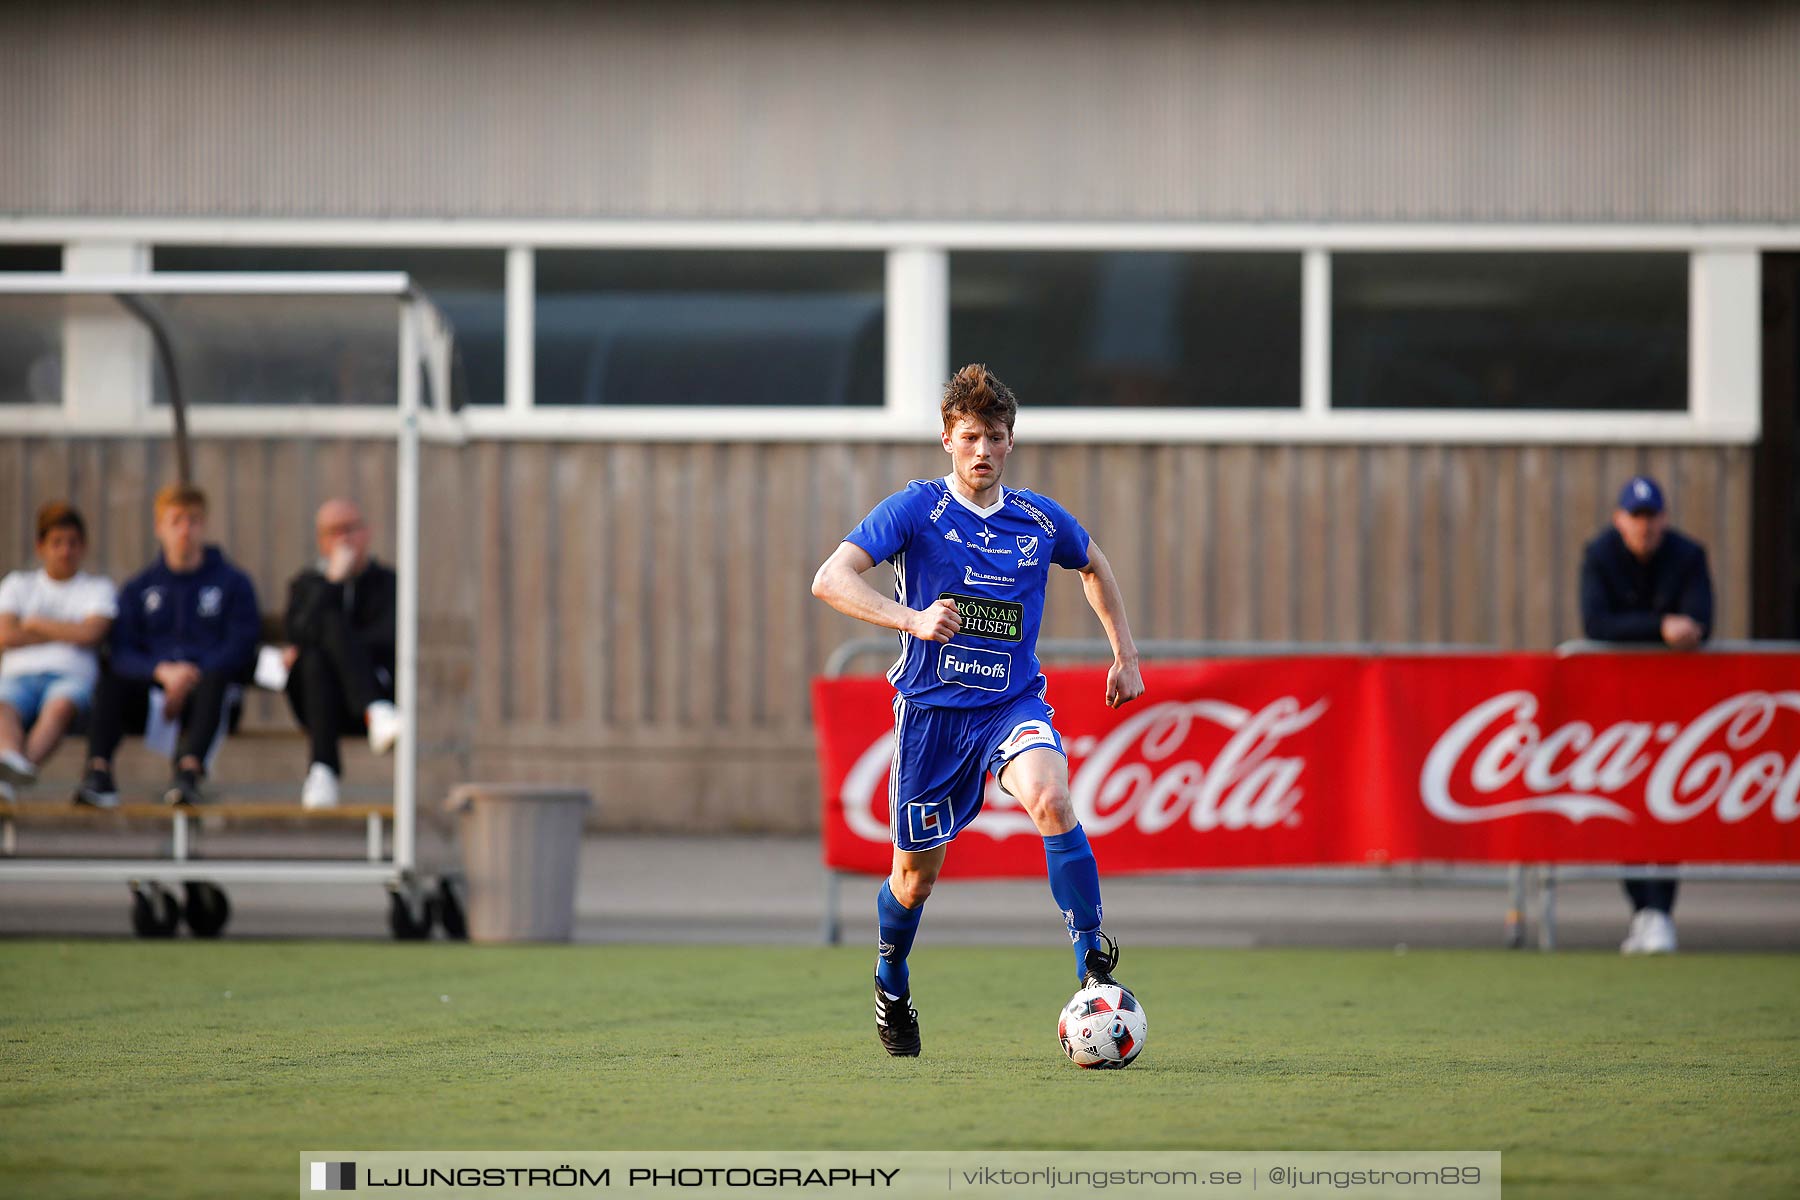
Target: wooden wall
point(636, 617)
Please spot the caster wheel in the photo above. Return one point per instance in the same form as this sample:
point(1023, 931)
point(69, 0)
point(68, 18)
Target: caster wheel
point(450, 909)
point(154, 913)
point(207, 910)
point(410, 915)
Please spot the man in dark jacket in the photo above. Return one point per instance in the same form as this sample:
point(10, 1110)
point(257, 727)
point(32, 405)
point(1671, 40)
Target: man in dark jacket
point(1642, 581)
point(186, 629)
point(340, 619)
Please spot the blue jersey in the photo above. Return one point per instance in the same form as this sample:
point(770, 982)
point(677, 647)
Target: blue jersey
point(994, 562)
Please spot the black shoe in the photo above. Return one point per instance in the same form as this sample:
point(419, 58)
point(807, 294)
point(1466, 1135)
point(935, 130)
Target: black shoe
point(1101, 962)
point(184, 789)
point(896, 1023)
point(97, 790)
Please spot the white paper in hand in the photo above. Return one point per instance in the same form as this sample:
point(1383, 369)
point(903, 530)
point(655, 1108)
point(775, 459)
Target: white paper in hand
point(271, 669)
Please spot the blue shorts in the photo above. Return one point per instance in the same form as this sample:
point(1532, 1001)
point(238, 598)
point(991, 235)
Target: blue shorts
point(27, 694)
point(942, 757)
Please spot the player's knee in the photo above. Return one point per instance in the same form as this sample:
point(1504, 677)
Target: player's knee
point(1048, 803)
point(911, 888)
point(58, 708)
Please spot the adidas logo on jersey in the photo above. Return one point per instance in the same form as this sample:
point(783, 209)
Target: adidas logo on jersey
point(952, 536)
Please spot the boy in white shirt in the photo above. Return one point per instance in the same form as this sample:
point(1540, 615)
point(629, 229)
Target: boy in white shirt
point(50, 621)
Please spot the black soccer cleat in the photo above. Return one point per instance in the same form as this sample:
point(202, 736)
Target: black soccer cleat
point(97, 790)
point(184, 789)
point(1101, 962)
point(897, 1023)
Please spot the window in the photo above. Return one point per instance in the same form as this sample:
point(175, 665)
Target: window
point(1132, 328)
point(1565, 331)
point(31, 332)
point(703, 327)
point(467, 286)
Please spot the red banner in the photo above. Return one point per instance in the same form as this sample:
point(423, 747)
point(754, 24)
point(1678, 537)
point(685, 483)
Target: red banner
point(1310, 761)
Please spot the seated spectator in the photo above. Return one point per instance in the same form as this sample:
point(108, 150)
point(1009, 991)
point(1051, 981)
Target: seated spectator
point(50, 621)
point(185, 634)
point(340, 619)
point(1642, 581)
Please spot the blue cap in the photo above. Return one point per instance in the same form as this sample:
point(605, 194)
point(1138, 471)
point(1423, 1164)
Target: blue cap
point(1641, 494)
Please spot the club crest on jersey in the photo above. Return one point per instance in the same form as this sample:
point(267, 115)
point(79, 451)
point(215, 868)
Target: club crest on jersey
point(1027, 546)
point(212, 599)
point(153, 599)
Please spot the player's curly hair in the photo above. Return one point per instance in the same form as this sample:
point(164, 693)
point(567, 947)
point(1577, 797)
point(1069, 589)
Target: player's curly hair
point(977, 393)
point(58, 515)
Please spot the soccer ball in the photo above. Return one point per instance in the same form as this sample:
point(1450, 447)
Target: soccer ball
point(1102, 1026)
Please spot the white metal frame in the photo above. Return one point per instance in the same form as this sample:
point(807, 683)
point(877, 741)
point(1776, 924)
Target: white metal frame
point(424, 341)
point(1724, 407)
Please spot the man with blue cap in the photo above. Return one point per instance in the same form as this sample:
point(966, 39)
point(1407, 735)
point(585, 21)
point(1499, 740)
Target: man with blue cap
point(1642, 581)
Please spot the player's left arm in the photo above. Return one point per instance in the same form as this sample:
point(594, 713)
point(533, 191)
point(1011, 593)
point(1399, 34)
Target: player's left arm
point(1124, 682)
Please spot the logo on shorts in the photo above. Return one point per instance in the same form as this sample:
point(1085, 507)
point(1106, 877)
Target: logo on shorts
point(212, 599)
point(1030, 731)
point(928, 820)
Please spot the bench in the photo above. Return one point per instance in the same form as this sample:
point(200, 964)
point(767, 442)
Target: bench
point(184, 822)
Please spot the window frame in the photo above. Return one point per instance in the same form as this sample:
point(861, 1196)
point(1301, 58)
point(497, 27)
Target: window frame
point(1723, 394)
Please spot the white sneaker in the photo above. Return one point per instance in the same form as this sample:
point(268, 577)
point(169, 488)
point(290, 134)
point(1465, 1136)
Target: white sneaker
point(1634, 935)
point(320, 789)
point(384, 726)
point(1659, 933)
point(16, 768)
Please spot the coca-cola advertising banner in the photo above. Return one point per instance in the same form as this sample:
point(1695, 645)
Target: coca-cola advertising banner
point(1310, 761)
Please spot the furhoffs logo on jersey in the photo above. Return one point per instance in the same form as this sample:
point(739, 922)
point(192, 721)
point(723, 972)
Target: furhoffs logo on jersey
point(973, 667)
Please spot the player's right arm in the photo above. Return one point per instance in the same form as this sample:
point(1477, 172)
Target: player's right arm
point(840, 583)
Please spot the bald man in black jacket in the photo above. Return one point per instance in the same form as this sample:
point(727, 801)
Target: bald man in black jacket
point(340, 621)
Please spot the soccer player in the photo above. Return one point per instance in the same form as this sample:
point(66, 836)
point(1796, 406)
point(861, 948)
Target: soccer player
point(971, 559)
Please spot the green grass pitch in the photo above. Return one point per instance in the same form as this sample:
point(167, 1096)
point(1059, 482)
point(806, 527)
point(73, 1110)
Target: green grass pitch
point(188, 1069)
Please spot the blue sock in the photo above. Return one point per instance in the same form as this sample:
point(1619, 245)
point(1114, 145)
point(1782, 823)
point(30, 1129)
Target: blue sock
point(1075, 883)
point(899, 925)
